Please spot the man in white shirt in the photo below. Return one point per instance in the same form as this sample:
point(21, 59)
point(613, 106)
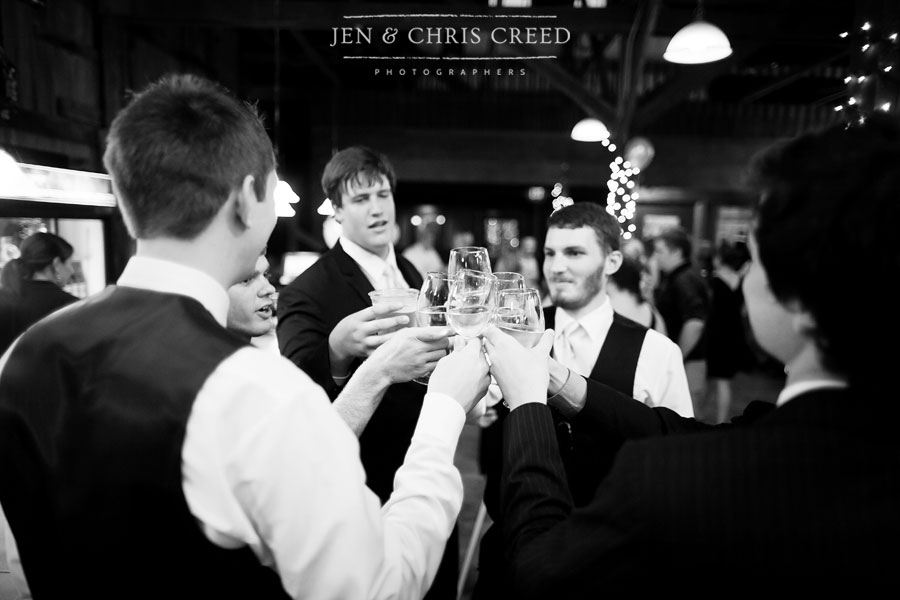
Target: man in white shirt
point(581, 250)
point(141, 433)
point(327, 325)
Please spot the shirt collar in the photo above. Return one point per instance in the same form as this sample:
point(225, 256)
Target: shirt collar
point(801, 387)
point(172, 278)
point(596, 323)
point(371, 263)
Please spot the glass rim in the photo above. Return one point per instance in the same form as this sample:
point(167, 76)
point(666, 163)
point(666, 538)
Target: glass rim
point(468, 248)
point(393, 292)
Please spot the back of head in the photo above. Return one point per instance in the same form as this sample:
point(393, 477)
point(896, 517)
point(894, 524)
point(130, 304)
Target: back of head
point(589, 214)
point(733, 254)
point(677, 238)
point(356, 164)
point(628, 278)
point(829, 211)
point(36, 253)
point(178, 150)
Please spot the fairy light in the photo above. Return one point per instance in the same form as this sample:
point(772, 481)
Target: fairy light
point(873, 86)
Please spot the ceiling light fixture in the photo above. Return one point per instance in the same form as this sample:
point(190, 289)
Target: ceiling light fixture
point(590, 130)
point(698, 42)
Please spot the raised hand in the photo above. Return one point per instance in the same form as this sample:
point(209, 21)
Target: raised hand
point(358, 334)
point(462, 375)
point(412, 352)
point(522, 373)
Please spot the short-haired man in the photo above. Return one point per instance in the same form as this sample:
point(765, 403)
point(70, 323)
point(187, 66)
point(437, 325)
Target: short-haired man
point(581, 250)
point(327, 325)
point(251, 307)
point(136, 430)
point(682, 298)
point(800, 494)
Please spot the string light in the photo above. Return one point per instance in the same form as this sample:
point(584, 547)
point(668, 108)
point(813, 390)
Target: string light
point(870, 88)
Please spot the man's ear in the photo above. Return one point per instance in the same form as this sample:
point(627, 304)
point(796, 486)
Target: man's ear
point(244, 201)
point(802, 320)
point(613, 262)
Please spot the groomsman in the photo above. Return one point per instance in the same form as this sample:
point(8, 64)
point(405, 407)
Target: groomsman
point(136, 431)
point(327, 325)
point(581, 250)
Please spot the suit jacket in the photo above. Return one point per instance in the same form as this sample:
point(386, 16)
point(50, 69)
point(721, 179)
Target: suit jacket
point(308, 309)
point(804, 494)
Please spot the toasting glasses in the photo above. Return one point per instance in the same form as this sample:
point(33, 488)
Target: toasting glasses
point(473, 297)
point(474, 258)
point(519, 314)
point(431, 307)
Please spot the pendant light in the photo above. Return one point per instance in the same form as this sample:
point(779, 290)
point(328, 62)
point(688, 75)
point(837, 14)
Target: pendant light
point(698, 42)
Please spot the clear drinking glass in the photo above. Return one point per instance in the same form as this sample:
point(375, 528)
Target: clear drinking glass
point(405, 296)
point(431, 307)
point(473, 297)
point(519, 314)
point(509, 280)
point(475, 258)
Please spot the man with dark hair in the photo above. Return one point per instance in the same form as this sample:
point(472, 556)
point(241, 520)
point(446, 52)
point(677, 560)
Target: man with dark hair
point(800, 494)
point(327, 325)
point(682, 298)
point(136, 430)
point(581, 250)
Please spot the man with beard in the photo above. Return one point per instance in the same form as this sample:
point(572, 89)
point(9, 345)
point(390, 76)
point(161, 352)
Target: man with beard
point(580, 251)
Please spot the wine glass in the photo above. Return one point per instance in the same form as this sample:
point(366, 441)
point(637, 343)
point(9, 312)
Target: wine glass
point(519, 314)
point(431, 307)
point(509, 280)
point(475, 258)
point(473, 296)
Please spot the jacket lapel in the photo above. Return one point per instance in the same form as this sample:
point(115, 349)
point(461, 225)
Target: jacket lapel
point(352, 272)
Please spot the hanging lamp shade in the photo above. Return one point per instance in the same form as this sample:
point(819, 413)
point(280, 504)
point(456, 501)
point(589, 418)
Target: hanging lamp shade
point(696, 43)
point(284, 197)
point(590, 130)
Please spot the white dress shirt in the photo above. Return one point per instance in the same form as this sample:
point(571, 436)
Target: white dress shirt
point(268, 463)
point(382, 273)
point(659, 379)
point(801, 387)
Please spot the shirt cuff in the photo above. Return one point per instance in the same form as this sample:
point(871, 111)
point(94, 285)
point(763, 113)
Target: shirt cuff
point(441, 420)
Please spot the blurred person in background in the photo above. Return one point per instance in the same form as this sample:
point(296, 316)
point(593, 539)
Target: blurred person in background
point(727, 350)
point(423, 252)
point(31, 286)
point(625, 291)
point(682, 298)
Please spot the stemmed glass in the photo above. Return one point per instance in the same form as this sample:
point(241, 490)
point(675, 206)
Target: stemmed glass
point(475, 258)
point(509, 280)
point(431, 307)
point(473, 297)
point(519, 314)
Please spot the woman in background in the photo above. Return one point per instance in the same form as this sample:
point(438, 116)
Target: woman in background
point(625, 289)
point(31, 285)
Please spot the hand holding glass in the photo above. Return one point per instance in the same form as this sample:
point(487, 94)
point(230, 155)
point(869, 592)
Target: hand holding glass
point(407, 297)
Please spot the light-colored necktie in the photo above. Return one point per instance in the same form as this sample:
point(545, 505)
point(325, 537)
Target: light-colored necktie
point(569, 345)
point(389, 277)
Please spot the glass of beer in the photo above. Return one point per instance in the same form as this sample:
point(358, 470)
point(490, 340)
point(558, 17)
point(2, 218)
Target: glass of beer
point(405, 296)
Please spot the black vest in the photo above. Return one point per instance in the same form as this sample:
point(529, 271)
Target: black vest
point(94, 403)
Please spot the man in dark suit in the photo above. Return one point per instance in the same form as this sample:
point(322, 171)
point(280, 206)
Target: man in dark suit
point(327, 325)
point(803, 492)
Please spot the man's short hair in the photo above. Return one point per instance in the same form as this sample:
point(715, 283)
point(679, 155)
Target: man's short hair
point(178, 150)
point(826, 229)
point(677, 238)
point(357, 164)
point(589, 214)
